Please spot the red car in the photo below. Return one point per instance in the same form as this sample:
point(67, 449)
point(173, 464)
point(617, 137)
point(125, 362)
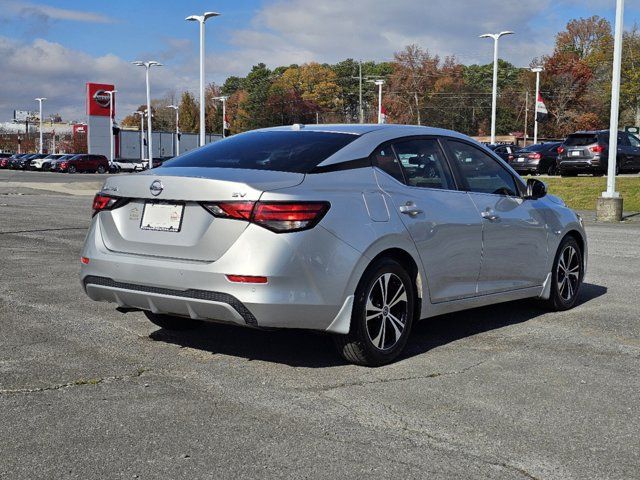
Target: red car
point(84, 163)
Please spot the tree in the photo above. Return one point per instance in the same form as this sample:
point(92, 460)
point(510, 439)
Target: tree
point(189, 113)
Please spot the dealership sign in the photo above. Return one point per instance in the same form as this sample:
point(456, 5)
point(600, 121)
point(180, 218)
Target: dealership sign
point(24, 115)
point(98, 99)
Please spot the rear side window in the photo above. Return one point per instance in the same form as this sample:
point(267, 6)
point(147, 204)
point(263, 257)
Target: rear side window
point(581, 140)
point(481, 172)
point(285, 151)
point(385, 159)
point(424, 164)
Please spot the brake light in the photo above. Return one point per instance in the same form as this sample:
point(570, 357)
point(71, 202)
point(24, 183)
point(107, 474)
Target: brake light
point(597, 149)
point(246, 279)
point(560, 149)
point(278, 217)
point(535, 156)
point(105, 202)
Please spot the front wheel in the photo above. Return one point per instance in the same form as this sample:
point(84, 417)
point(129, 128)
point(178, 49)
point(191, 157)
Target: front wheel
point(72, 169)
point(382, 315)
point(567, 275)
point(169, 322)
point(101, 169)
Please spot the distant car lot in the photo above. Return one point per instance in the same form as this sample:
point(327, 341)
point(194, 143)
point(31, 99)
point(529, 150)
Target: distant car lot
point(501, 392)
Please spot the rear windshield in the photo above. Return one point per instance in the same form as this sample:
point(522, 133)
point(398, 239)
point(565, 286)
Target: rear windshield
point(581, 139)
point(285, 151)
point(536, 147)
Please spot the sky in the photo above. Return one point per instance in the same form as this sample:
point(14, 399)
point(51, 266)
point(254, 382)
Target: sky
point(52, 48)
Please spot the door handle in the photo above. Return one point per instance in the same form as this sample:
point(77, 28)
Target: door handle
point(490, 215)
point(410, 209)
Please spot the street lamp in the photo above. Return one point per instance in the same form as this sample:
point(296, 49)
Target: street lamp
point(40, 100)
point(141, 113)
point(496, 37)
point(147, 66)
point(201, 19)
point(609, 206)
point(379, 83)
point(177, 109)
point(223, 99)
point(537, 71)
point(110, 93)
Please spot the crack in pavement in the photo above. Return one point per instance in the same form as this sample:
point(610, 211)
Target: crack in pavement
point(43, 230)
point(75, 383)
point(363, 383)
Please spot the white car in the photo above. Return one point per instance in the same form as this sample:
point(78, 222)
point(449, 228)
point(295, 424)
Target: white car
point(128, 165)
point(36, 163)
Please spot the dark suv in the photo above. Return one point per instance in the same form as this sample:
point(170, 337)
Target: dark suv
point(84, 163)
point(588, 152)
point(536, 159)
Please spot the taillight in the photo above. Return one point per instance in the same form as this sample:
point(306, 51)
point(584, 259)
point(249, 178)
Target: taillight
point(63, 165)
point(597, 149)
point(560, 150)
point(105, 202)
point(278, 217)
point(535, 156)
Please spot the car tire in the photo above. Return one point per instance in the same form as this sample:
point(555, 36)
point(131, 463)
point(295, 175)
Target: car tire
point(101, 169)
point(72, 169)
point(566, 276)
point(368, 342)
point(551, 170)
point(170, 322)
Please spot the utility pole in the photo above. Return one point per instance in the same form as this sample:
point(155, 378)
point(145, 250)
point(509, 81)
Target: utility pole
point(609, 205)
point(141, 113)
point(526, 115)
point(360, 105)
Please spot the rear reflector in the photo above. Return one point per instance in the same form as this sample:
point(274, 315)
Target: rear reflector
point(84, 260)
point(246, 279)
point(279, 217)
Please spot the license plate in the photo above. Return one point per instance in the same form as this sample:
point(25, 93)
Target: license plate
point(520, 159)
point(164, 217)
point(575, 153)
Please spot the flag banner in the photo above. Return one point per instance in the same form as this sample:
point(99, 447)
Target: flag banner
point(384, 116)
point(541, 109)
point(225, 122)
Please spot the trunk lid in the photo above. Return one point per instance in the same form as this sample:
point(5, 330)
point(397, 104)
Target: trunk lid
point(201, 236)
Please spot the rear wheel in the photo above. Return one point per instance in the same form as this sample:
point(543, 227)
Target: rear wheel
point(72, 169)
point(101, 169)
point(567, 275)
point(169, 322)
point(382, 315)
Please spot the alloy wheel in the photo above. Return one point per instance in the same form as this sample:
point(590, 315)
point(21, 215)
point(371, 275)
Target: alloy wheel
point(386, 311)
point(568, 275)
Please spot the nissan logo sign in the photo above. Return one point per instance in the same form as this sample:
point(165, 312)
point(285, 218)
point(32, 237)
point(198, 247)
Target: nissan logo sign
point(102, 98)
point(156, 188)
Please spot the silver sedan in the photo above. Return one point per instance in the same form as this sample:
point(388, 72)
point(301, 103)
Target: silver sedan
point(356, 230)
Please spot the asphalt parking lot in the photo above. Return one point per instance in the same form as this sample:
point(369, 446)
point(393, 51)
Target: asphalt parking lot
point(509, 391)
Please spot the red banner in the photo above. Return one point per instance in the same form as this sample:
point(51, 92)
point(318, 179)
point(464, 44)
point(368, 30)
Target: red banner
point(98, 99)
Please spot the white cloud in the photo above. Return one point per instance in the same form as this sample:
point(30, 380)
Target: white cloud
point(47, 12)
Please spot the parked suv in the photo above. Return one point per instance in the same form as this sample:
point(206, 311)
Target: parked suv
point(37, 163)
point(537, 159)
point(588, 152)
point(84, 163)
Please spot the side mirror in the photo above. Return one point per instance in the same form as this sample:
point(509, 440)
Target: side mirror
point(535, 189)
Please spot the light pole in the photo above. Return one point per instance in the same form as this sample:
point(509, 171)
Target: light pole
point(609, 206)
point(223, 99)
point(40, 100)
point(537, 71)
point(201, 19)
point(141, 113)
point(177, 109)
point(147, 66)
point(110, 93)
point(379, 83)
point(494, 98)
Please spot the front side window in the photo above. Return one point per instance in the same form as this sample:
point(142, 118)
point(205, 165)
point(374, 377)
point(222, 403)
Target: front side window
point(634, 140)
point(384, 158)
point(482, 173)
point(424, 164)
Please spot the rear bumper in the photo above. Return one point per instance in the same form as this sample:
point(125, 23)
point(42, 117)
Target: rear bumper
point(308, 280)
point(585, 165)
